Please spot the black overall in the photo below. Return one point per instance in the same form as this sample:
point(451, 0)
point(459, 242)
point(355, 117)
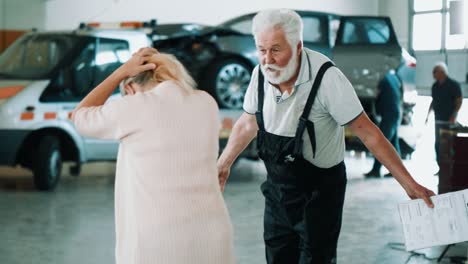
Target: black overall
point(303, 203)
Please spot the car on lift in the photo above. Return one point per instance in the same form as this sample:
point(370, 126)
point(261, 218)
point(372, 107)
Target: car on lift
point(365, 48)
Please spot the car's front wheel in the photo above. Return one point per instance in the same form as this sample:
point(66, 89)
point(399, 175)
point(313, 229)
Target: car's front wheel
point(47, 164)
point(227, 82)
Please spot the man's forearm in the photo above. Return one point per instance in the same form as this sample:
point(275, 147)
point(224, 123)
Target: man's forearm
point(387, 155)
point(240, 138)
point(458, 104)
point(383, 151)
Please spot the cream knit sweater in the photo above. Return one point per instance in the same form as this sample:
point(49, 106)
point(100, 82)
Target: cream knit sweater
point(168, 205)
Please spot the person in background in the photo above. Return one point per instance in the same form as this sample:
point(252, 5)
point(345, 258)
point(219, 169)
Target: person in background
point(388, 107)
point(168, 205)
point(446, 102)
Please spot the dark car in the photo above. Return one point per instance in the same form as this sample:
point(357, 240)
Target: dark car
point(221, 58)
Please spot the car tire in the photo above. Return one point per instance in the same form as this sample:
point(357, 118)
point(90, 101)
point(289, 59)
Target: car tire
point(227, 82)
point(47, 164)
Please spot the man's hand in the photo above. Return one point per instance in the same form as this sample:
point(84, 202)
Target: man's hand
point(223, 174)
point(420, 192)
point(244, 130)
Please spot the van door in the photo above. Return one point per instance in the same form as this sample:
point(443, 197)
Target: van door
point(108, 56)
point(366, 48)
point(83, 69)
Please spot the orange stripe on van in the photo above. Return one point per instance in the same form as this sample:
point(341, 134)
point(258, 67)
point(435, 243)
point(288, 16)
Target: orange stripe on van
point(94, 24)
point(27, 116)
point(50, 115)
point(10, 91)
point(131, 24)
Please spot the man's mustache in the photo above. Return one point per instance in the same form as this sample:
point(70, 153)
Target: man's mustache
point(272, 67)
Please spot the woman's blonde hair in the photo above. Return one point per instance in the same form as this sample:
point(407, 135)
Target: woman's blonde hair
point(168, 68)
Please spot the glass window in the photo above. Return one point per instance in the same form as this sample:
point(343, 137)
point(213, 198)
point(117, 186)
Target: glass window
point(312, 29)
point(456, 32)
point(378, 31)
point(334, 25)
point(73, 82)
point(83, 71)
point(90, 66)
point(424, 39)
point(366, 31)
point(350, 34)
point(110, 54)
point(457, 41)
point(427, 5)
point(35, 55)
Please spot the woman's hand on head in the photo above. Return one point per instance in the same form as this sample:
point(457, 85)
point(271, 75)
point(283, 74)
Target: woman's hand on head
point(138, 62)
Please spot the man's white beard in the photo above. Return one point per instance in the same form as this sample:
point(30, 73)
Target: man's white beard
point(285, 73)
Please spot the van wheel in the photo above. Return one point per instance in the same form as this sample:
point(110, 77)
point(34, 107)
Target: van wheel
point(47, 164)
point(227, 82)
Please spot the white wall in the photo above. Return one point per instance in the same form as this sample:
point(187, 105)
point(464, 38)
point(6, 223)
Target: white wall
point(66, 14)
point(22, 14)
point(398, 11)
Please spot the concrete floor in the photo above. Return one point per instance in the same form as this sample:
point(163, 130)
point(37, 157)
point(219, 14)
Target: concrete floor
point(75, 224)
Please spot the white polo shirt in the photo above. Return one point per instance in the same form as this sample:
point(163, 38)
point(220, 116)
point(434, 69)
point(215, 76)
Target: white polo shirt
point(336, 105)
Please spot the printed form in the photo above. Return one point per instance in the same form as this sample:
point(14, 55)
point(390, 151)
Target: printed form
point(446, 223)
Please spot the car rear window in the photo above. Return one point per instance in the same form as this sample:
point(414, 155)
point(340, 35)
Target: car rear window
point(366, 31)
point(313, 30)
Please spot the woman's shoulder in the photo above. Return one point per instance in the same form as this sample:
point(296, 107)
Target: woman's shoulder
point(205, 96)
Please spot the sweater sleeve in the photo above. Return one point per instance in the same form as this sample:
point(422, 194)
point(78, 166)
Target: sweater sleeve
point(103, 122)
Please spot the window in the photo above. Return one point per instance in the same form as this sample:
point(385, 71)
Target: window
point(457, 25)
point(313, 30)
point(427, 5)
point(90, 66)
point(427, 39)
point(110, 54)
point(365, 31)
point(334, 26)
point(429, 19)
point(35, 55)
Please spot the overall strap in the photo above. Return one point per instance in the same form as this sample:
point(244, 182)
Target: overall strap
point(261, 94)
point(304, 121)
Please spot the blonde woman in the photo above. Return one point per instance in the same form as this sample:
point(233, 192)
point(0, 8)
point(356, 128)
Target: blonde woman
point(168, 204)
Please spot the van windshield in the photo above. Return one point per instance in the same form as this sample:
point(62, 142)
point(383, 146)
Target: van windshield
point(35, 56)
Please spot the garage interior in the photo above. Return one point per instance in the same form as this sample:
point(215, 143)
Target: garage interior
point(74, 223)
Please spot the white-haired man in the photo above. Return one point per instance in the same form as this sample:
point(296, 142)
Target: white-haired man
point(300, 137)
point(446, 102)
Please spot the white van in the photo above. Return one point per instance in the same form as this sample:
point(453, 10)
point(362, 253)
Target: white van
point(43, 76)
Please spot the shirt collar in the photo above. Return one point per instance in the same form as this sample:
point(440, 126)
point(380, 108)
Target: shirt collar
point(305, 73)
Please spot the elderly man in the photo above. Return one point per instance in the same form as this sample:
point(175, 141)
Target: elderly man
point(446, 101)
point(297, 104)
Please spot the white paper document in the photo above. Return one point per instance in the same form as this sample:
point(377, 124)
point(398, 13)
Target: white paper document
point(446, 223)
